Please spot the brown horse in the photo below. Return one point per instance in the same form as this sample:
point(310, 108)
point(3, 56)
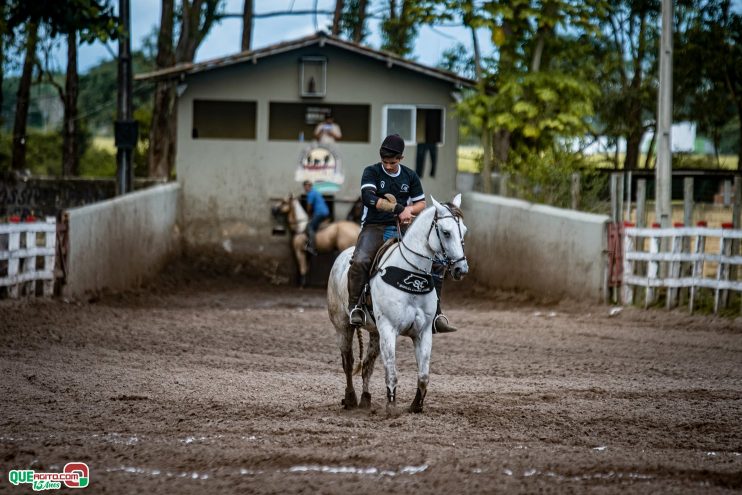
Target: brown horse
point(331, 237)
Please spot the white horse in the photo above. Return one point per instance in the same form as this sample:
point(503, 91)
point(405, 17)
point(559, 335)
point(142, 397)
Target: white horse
point(437, 233)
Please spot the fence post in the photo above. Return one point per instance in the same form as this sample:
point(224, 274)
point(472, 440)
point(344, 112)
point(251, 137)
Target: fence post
point(50, 242)
point(641, 203)
point(619, 198)
point(14, 244)
point(616, 197)
point(575, 190)
point(628, 196)
point(627, 295)
point(674, 269)
point(29, 265)
point(697, 271)
point(722, 270)
point(652, 270)
point(688, 201)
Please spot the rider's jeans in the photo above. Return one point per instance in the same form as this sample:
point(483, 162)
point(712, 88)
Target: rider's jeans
point(369, 241)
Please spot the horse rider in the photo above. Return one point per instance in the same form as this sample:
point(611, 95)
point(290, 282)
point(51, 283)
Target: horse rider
point(386, 187)
point(318, 212)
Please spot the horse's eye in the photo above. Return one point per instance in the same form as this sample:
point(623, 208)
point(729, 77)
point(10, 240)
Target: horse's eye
point(446, 234)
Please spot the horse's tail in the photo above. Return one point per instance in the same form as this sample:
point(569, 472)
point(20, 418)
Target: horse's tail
point(359, 367)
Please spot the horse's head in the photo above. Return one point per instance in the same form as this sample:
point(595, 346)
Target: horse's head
point(289, 210)
point(281, 209)
point(447, 236)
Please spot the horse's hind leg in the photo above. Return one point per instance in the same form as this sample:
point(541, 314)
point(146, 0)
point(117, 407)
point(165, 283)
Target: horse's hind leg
point(368, 369)
point(345, 342)
point(423, 345)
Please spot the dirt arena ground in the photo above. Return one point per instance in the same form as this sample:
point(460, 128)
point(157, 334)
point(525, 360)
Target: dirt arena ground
point(226, 385)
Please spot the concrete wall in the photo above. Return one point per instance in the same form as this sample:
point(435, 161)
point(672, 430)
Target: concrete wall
point(118, 243)
point(227, 183)
point(555, 253)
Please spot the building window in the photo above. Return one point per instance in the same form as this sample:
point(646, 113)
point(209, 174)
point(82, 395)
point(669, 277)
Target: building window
point(296, 121)
point(222, 119)
point(313, 77)
point(416, 124)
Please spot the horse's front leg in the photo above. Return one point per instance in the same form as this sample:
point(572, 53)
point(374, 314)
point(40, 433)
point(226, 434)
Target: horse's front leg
point(368, 369)
point(423, 345)
point(387, 346)
point(345, 342)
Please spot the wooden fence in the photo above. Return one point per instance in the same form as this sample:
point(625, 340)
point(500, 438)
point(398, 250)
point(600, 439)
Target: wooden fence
point(21, 246)
point(676, 260)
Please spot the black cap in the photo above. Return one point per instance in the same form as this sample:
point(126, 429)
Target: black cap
point(393, 143)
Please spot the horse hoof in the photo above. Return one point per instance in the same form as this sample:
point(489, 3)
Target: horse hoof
point(350, 401)
point(365, 401)
point(392, 410)
point(416, 408)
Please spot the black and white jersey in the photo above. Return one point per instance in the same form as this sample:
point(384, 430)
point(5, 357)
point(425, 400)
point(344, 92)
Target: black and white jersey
point(404, 185)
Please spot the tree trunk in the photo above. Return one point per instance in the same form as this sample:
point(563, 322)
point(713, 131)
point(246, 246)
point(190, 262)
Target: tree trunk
point(337, 16)
point(160, 135)
point(247, 19)
point(3, 28)
point(22, 103)
point(359, 28)
point(70, 141)
point(650, 149)
point(633, 144)
point(485, 135)
point(501, 148)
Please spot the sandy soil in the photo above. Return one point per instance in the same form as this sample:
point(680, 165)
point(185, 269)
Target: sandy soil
point(227, 385)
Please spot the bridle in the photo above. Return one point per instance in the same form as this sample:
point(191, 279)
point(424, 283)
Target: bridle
point(446, 260)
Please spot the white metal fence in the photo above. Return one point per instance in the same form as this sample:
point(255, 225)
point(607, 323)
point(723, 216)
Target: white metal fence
point(677, 260)
point(21, 245)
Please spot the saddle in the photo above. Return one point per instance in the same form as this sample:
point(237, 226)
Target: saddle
point(366, 301)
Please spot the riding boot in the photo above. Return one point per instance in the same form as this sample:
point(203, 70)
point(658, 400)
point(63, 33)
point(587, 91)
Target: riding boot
point(440, 322)
point(309, 248)
point(369, 241)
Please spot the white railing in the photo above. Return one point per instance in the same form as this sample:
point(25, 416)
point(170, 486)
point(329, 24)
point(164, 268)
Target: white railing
point(20, 246)
point(681, 265)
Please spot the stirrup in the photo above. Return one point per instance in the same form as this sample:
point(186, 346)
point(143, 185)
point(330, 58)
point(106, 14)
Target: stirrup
point(441, 325)
point(357, 317)
point(310, 249)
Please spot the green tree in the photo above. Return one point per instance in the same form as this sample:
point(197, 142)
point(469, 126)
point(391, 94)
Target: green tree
point(708, 68)
point(90, 20)
point(196, 18)
point(529, 96)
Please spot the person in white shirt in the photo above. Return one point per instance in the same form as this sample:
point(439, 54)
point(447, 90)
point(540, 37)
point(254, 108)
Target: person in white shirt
point(327, 132)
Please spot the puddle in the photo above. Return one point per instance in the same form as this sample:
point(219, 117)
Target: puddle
point(357, 470)
point(406, 470)
point(156, 472)
point(585, 477)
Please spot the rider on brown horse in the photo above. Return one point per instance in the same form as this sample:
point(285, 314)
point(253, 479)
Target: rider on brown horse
point(318, 211)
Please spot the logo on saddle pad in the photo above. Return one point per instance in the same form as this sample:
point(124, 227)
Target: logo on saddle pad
point(407, 281)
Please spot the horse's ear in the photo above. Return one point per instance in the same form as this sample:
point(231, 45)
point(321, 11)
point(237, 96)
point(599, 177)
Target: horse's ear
point(456, 201)
point(439, 207)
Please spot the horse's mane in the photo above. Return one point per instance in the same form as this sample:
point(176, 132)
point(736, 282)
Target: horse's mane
point(455, 210)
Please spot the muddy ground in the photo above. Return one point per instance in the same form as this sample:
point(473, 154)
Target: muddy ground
point(229, 385)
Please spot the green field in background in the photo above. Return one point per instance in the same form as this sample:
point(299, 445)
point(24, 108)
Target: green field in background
point(468, 158)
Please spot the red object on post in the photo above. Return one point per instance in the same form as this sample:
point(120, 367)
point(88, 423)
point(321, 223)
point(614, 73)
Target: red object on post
point(727, 225)
point(702, 223)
